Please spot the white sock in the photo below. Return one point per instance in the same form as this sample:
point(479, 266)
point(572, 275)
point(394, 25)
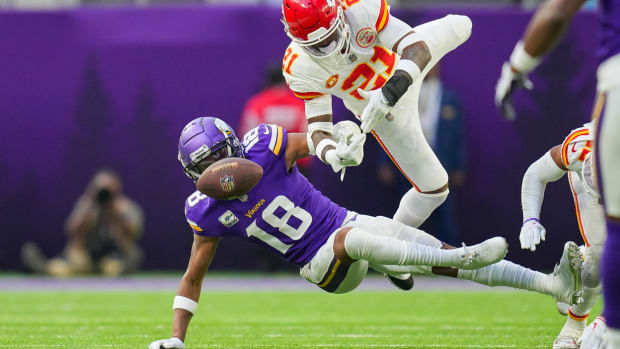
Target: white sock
point(613, 338)
point(506, 273)
point(415, 207)
point(376, 249)
point(574, 325)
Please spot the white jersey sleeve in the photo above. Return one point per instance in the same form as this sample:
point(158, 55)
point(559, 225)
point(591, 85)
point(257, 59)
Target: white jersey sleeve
point(576, 147)
point(306, 79)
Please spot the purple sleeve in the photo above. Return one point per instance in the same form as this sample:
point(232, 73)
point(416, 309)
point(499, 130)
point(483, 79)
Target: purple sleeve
point(201, 215)
point(266, 145)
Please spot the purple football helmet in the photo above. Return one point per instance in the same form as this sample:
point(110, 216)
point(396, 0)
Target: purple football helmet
point(205, 140)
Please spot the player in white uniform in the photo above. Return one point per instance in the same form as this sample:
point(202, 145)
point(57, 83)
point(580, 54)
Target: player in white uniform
point(572, 156)
point(355, 50)
point(546, 28)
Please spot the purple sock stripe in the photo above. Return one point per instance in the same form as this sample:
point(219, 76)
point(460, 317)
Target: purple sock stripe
point(531, 219)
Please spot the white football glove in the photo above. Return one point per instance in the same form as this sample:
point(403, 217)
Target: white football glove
point(532, 233)
point(348, 153)
point(346, 129)
point(507, 84)
point(594, 336)
point(376, 109)
point(172, 343)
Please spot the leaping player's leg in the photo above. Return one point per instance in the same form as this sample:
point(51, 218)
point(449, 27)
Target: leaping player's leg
point(403, 141)
point(442, 36)
point(402, 137)
point(591, 220)
point(608, 156)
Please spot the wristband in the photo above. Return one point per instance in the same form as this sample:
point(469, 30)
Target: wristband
point(531, 219)
point(409, 67)
point(395, 88)
point(523, 61)
point(311, 149)
point(327, 127)
point(321, 147)
point(185, 303)
point(331, 157)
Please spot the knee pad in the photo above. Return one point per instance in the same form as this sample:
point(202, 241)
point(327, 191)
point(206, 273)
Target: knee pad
point(445, 34)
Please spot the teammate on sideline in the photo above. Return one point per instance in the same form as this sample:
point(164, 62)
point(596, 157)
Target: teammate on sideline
point(572, 156)
point(333, 247)
point(357, 51)
point(545, 29)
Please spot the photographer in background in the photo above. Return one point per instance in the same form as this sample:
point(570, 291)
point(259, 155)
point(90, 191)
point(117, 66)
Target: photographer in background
point(102, 232)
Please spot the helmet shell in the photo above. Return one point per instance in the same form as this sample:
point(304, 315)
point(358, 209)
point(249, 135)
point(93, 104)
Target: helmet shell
point(308, 21)
point(203, 136)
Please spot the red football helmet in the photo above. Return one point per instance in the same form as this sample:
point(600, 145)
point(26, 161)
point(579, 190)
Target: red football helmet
point(318, 26)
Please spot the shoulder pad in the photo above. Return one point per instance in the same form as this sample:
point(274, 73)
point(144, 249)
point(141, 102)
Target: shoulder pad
point(264, 138)
point(303, 75)
point(373, 14)
point(576, 147)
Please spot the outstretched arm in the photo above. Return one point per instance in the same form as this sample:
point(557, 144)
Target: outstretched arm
point(186, 301)
point(296, 148)
point(548, 168)
point(546, 28)
point(344, 146)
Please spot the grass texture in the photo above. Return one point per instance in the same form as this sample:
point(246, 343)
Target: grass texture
point(282, 320)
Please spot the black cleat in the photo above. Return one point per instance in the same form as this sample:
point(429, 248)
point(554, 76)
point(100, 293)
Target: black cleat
point(405, 285)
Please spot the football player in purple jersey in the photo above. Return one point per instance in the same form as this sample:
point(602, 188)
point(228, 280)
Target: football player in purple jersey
point(545, 29)
point(332, 246)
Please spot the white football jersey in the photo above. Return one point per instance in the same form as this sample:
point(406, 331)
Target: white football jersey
point(368, 66)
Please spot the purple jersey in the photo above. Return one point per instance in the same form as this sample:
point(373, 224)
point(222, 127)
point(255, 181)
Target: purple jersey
point(283, 212)
point(609, 26)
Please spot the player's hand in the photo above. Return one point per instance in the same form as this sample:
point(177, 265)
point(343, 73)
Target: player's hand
point(376, 109)
point(594, 336)
point(172, 343)
point(348, 153)
point(507, 84)
point(351, 153)
point(532, 233)
point(345, 129)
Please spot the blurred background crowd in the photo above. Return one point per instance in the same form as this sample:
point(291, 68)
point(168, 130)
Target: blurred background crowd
point(93, 98)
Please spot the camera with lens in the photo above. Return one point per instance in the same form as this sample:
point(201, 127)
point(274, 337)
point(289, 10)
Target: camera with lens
point(104, 196)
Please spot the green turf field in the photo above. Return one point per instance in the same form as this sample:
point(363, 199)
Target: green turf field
point(282, 320)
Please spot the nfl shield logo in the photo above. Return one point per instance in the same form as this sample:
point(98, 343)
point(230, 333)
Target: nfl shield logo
point(227, 183)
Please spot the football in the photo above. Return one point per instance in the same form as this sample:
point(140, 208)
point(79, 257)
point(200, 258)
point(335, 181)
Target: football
point(229, 178)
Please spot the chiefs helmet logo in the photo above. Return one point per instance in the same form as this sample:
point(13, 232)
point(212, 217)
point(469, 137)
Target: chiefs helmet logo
point(332, 81)
point(365, 37)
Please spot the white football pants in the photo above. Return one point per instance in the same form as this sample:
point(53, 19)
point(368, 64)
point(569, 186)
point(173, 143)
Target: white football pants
point(402, 138)
point(325, 271)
